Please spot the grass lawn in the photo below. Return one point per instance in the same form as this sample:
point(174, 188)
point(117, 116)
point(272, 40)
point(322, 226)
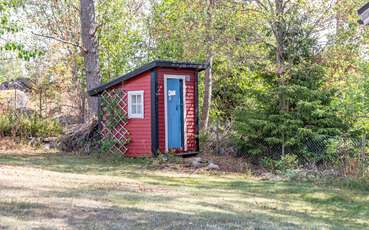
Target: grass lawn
point(56, 191)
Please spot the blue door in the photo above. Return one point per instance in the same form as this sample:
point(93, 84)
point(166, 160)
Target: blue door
point(175, 113)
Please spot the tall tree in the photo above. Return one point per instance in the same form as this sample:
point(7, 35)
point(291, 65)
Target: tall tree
point(58, 26)
point(121, 36)
point(91, 55)
point(208, 86)
point(279, 17)
point(347, 67)
point(293, 105)
point(196, 31)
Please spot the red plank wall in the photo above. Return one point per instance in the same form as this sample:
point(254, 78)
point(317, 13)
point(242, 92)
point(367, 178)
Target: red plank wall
point(189, 103)
point(140, 129)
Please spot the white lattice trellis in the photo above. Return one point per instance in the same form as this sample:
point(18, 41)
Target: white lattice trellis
point(115, 136)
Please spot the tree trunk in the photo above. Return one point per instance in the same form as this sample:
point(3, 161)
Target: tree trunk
point(209, 71)
point(280, 51)
point(91, 55)
point(79, 92)
point(207, 94)
point(280, 61)
point(40, 102)
point(279, 35)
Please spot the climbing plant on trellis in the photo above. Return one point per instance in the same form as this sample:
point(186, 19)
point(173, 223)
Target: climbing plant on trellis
point(113, 115)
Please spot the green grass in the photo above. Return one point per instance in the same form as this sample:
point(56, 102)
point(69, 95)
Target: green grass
point(55, 191)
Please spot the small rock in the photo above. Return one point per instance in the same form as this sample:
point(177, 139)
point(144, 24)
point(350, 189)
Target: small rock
point(52, 142)
point(213, 166)
point(222, 151)
point(271, 177)
point(330, 173)
point(50, 139)
point(47, 146)
point(198, 159)
point(35, 141)
point(232, 150)
point(196, 164)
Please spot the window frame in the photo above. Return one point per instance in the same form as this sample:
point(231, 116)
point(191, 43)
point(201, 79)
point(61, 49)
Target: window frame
point(135, 115)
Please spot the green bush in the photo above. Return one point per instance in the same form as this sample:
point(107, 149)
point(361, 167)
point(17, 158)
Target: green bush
point(204, 140)
point(287, 162)
point(5, 125)
point(268, 163)
point(24, 125)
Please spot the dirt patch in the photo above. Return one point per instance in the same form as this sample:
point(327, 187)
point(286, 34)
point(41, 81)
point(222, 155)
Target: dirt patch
point(225, 164)
point(229, 163)
point(9, 146)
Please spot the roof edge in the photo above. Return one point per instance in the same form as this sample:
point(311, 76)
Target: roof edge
point(363, 8)
point(151, 65)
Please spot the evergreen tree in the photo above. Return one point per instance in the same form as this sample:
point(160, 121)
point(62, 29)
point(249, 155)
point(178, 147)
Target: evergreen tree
point(292, 113)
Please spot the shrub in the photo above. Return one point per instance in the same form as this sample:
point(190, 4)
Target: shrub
point(204, 140)
point(341, 148)
point(349, 156)
point(5, 125)
point(268, 163)
point(287, 162)
point(24, 125)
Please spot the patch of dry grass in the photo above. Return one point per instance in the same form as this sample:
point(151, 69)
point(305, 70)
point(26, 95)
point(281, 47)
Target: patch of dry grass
point(58, 191)
point(9, 146)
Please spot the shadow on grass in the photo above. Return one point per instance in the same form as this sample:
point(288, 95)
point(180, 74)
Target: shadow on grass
point(66, 162)
point(329, 207)
point(78, 216)
point(135, 218)
point(124, 195)
point(335, 212)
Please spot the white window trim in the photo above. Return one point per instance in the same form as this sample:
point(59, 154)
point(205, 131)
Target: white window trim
point(137, 92)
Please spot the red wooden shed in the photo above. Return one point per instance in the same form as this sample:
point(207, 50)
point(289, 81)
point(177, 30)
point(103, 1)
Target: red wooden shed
point(162, 104)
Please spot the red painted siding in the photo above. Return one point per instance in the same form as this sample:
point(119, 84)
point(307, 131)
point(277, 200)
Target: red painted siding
point(140, 129)
point(189, 103)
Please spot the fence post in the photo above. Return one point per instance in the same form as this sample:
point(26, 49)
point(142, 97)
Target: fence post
point(217, 137)
point(283, 147)
point(15, 98)
point(363, 145)
point(362, 154)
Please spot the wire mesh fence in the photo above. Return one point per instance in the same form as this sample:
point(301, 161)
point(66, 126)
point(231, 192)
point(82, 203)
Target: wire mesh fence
point(323, 147)
point(347, 152)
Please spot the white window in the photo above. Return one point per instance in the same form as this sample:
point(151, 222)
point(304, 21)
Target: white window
point(135, 104)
